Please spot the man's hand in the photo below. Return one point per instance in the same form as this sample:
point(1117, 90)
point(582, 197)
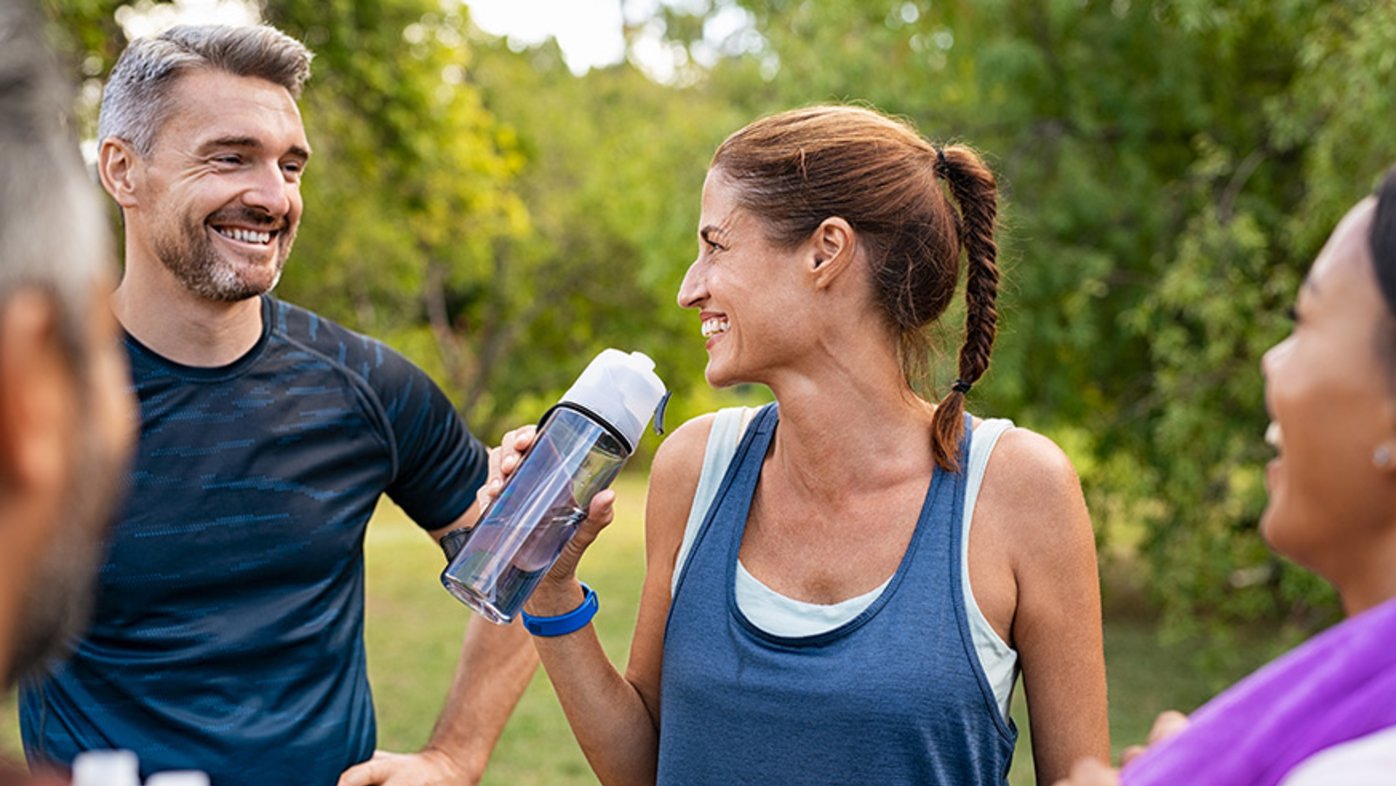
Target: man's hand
point(429, 767)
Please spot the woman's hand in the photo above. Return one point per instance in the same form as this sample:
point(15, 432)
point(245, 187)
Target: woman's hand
point(557, 593)
point(503, 461)
point(1091, 772)
point(1166, 725)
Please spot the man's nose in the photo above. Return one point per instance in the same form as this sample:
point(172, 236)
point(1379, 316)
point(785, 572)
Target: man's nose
point(271, 191)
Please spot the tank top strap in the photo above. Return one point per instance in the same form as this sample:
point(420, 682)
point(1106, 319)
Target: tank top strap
point(742, 470)
point(723, 439)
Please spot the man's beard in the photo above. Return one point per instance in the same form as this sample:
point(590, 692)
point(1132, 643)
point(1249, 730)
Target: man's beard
point(193, 260)
point(58, 600)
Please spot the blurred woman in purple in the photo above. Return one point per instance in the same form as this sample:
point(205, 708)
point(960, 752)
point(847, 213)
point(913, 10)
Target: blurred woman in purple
point(1326, 712)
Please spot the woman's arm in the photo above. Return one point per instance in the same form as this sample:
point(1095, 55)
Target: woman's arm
point(615, 718)
point(1036, 522)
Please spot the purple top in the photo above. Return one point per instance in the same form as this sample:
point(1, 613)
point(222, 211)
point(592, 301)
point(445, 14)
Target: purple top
point(1339, 686)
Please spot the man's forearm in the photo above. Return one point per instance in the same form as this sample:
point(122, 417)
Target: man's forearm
point(495, 666)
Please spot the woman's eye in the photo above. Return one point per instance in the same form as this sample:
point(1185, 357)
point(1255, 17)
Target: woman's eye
point(1293, 314)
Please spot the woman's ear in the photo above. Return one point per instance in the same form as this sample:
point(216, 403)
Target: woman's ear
point(832, 249)
point(1384, 452)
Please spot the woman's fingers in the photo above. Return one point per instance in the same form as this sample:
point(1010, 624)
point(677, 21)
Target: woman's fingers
point(512, 448)
point(486, 493)
point(1090, 772)
point(1131, 753)
point(503, 460)
point(600, 514)
point(1166, 725)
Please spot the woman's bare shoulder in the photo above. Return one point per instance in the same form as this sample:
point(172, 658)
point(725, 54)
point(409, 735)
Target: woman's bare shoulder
point(1031, 488)
point(674, 475)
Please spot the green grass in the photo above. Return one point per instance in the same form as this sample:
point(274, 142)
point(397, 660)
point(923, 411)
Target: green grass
point(414, 630)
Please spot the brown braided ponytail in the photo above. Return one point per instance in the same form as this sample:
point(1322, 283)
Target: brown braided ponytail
point(974, 188)
point(797, 168)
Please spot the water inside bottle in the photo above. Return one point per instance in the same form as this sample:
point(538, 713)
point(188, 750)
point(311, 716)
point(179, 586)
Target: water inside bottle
point(510, 585)
point(524, 530)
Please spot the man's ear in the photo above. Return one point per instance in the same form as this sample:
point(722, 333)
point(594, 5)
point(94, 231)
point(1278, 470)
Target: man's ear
point(117, 165)
point(833, 247)
point(37, 397)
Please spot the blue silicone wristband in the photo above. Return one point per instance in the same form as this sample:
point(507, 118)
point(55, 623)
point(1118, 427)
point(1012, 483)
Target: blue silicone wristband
point(563, 624)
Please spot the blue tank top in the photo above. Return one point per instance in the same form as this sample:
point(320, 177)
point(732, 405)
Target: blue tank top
point(895, 696)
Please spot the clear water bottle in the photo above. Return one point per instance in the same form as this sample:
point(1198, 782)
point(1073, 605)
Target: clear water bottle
point(582, 444)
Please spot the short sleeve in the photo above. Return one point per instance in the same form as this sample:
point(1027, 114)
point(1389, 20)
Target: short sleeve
point(440, 464)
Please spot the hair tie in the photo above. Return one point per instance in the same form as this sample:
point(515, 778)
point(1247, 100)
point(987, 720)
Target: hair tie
point(941, 164)
point(962, 387)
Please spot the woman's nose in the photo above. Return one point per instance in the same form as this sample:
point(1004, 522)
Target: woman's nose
point(1274, 355)
point(693, 289)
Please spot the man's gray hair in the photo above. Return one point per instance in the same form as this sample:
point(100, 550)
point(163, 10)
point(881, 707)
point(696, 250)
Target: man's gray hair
point(54, 235)
point(137, 97)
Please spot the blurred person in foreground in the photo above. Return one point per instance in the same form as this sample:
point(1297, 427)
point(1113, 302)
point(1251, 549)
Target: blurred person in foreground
point(1324, 714)
point(228, 631)
point(843, 586)
point(66, 414)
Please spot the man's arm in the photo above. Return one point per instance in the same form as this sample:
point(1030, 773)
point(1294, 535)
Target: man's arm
point(495, 665)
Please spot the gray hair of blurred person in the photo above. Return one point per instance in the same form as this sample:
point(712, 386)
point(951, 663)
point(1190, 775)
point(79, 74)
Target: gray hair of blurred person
point(54, 239)
point(137, 98)
point(53, 233)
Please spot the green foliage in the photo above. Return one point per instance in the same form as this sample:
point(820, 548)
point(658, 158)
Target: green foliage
point(412, 189)
point(1261, 205)
point(615, 165)
point(1169, 167)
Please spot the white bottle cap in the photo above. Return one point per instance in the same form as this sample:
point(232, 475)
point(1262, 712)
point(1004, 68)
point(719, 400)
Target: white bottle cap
point(622, 388)
point(106, 768)
point(178, 778)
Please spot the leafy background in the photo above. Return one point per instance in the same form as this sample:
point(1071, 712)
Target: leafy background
point(1170, 168)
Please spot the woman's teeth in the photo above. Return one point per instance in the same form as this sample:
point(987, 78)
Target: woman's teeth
point(244, 235)
point(1273, 436)
point(712, 327)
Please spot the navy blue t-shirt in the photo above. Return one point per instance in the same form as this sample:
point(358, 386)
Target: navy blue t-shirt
point(228, 630)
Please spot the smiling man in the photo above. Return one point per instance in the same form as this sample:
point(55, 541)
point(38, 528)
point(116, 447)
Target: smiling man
point(228, 634)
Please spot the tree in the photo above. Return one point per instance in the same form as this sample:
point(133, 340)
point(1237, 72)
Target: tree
point(1170, 169)
point(412, 187)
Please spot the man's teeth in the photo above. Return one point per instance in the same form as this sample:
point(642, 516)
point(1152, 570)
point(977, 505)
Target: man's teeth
point(712, 327)
point(244, 235)
point(1273, 436)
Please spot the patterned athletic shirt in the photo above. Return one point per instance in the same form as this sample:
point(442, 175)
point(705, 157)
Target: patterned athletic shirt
point(228, 630)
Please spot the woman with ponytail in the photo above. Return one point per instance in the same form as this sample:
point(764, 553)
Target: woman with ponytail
point(843, 586)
